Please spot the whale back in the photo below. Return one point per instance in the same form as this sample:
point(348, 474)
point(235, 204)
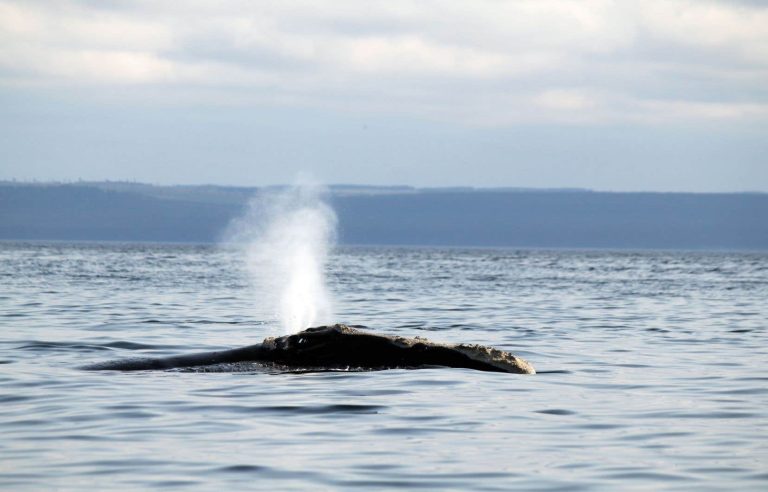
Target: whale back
point(337, 347)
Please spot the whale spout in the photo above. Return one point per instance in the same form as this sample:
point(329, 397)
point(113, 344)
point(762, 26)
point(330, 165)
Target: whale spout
point(339, 346)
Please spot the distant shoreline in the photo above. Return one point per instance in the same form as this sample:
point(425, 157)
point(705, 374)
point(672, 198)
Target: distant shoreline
point(388, 217)
point(346, 188)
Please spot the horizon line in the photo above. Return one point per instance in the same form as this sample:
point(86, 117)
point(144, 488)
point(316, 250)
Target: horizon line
point(388, 187)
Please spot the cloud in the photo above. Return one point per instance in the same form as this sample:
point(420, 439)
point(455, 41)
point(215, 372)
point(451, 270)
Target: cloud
point(473, 61)
point(565, 100)
point(728, 30)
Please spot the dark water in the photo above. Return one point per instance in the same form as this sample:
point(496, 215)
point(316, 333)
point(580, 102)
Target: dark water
point(652, 373)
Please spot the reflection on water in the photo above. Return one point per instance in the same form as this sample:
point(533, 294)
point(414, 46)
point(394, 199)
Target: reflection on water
point(652, 373)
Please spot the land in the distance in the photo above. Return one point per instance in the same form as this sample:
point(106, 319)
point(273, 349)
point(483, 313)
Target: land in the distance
point(397, 215)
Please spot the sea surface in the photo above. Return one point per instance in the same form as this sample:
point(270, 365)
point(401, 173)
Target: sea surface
point(653, 373)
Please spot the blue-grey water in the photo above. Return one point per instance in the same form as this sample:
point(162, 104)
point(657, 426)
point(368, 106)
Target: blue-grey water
point(653, 373)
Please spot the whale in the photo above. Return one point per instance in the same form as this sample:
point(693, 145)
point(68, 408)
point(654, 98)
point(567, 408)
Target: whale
point(337, 347)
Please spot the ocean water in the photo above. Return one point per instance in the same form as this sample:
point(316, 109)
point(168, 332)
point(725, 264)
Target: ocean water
point(653, 373)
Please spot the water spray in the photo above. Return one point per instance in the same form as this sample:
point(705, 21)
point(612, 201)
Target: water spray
point(287, 234)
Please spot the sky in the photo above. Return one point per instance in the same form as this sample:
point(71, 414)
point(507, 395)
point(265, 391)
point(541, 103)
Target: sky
point(667, 95)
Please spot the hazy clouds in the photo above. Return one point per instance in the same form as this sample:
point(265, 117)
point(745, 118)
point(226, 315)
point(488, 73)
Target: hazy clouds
point(486, 61)
point(474, 63)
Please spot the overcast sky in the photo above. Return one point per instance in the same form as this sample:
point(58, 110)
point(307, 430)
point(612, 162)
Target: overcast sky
point(611, 95)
